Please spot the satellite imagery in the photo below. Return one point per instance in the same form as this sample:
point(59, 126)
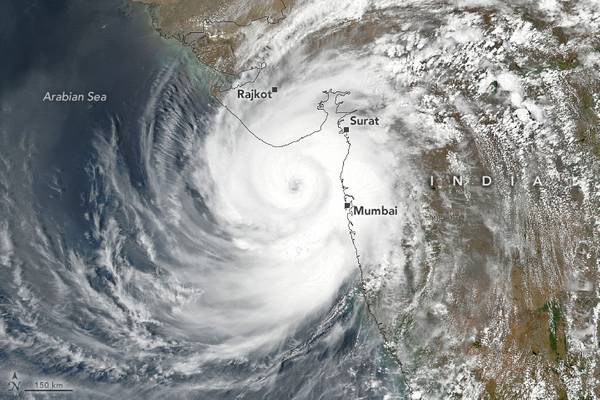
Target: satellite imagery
point(300, 199)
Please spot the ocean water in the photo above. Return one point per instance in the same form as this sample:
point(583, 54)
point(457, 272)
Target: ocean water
point(109, 245)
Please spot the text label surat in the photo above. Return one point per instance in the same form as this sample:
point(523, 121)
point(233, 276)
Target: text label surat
point(354, 120)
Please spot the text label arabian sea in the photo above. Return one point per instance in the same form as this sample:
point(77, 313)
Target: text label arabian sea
point(70, 97)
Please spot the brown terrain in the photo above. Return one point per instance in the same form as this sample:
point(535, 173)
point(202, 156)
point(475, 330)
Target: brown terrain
point(214, 30)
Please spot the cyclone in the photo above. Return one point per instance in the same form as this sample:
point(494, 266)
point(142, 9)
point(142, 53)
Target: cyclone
point(280, 208)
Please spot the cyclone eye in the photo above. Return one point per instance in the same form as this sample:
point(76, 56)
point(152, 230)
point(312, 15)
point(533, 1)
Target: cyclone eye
point(295, 185)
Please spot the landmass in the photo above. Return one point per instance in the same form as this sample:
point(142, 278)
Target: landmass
point(214, 30)
point(520, 87)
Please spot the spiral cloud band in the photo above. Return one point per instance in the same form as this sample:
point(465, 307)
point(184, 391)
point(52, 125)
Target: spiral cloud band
point(280, 177)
